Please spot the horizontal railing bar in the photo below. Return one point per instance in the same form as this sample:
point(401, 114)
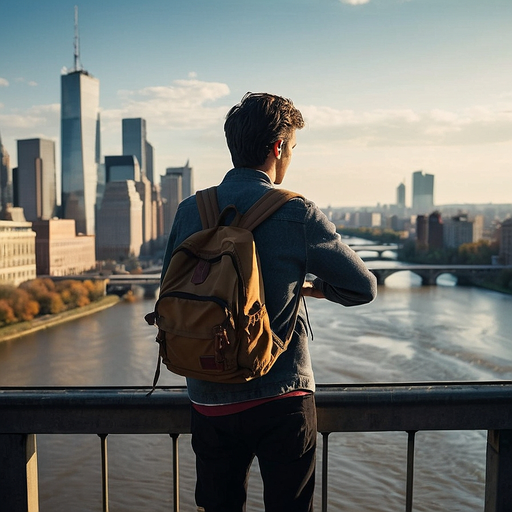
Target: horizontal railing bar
point(341, 408)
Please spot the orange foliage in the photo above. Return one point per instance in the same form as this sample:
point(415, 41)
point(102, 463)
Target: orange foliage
point(6, 313)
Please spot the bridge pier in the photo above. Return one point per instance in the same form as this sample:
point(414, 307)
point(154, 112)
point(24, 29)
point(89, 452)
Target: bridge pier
point(150, 290)
point(428, 278)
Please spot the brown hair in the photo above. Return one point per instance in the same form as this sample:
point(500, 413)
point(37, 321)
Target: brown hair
point(256, 123)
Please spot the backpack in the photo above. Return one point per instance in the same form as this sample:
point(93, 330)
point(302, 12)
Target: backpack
point(212, 320)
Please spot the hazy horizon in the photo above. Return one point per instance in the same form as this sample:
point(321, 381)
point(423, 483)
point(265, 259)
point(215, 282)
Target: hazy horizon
point(387, 87)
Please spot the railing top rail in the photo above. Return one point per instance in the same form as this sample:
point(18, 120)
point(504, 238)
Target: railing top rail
point(341, 408)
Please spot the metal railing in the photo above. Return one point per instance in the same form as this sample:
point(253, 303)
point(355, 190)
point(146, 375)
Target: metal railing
point(25, 412)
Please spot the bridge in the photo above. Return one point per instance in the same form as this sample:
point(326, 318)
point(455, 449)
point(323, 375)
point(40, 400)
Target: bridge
point(379, 249)
point(120, 284)
point(465, 274)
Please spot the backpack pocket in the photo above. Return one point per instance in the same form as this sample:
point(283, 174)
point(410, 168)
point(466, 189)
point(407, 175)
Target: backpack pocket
point(200, 340)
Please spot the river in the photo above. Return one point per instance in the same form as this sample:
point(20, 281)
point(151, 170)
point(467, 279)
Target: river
point(410, 333)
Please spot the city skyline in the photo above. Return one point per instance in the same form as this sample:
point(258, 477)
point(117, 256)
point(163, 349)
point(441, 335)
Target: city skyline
point(387, 87)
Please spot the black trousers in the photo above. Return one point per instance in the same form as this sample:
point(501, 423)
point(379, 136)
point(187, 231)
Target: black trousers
point(281, 433)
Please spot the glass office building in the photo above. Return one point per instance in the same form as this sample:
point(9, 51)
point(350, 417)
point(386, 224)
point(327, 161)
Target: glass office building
point(135, 143)
point(422, 192)
point(80, 94)
point(37, 176)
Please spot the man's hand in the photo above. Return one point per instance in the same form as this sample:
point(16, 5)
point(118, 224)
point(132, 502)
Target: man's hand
point(308, 290)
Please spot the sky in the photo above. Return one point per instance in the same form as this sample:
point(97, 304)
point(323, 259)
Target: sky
point(386, 87)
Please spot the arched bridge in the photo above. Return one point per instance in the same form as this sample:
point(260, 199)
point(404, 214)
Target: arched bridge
point(378, 248)
point(465, 274)
point(119, 284)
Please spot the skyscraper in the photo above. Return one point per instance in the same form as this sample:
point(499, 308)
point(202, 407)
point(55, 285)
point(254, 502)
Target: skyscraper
point(121, 168)
point(37, 176)
point(187, 178)
point(80, 94)
point(422, 192)
point(119, 233)
point(135, 143)
point(150, 158)
point(6, 198)
point(400, 195)
point(171, 187)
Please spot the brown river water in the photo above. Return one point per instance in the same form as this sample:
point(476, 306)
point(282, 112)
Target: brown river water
point(410, 333)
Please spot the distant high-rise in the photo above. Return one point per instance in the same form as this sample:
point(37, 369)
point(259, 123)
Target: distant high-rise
point(80, 143)
point(435, 231)
point(135, 143)
point(6, 197)
point(506, 242)
point(170, 187)
point(422, 192)
point(187, 179)
point(37, 179)
point(121, 168)
point(134, 140)
point(400, 195)
point(150, 158)
point(458, 230)
point(422, 233)
point(119, 234)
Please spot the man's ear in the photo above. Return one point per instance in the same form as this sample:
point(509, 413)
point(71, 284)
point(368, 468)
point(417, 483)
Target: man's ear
point(278, 146)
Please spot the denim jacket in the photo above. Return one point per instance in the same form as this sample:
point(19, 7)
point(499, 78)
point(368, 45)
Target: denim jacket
point(295, 241)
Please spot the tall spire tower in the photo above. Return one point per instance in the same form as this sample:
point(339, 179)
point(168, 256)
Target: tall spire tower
point(78, 64)
point(80, 93)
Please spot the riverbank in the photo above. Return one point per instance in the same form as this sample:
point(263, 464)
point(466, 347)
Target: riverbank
point(22, 328)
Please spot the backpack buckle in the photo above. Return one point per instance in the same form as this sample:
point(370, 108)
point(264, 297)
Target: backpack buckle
point(220, 339)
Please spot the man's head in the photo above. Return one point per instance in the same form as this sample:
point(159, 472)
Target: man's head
point(256, 124)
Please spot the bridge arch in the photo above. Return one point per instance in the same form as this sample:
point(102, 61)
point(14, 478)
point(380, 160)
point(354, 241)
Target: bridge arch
point(465, 274)
point(428, 276)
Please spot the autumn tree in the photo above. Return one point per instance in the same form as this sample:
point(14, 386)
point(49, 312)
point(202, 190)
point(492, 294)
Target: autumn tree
point(6, 313)
point(23, 305)
point(74, 294)
point(43, 291)
point(95, 289)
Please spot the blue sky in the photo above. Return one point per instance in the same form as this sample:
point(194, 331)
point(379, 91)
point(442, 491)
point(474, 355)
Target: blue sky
point(387, 87)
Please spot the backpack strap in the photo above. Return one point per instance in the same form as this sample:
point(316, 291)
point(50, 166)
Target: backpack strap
point(208, 207)
point(269, 203)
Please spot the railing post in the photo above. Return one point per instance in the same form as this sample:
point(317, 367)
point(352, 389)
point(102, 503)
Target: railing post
point(411, 434)
point(104, 471)
point(175, 472)
point(18, 483)
point(325, 465)
point(498, 484)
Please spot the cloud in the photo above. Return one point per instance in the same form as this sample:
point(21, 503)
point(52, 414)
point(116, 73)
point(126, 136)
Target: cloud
point(184, 105)
point(22, 80)
point(4, 82)
point(355, 2)
point(34, 118)
point(399, 127)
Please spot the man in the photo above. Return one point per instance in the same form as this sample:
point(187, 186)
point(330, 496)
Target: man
point(272, 417)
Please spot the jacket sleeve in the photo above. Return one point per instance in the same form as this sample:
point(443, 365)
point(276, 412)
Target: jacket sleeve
point(339, 272)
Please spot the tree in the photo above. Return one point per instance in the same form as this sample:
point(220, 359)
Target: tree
point(95, 289)
point(73, 293)
point(43, 291)
point(477, 253)
point(6, 313)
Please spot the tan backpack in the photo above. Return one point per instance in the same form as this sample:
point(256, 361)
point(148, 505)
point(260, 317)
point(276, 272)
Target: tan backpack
point(211, 315)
